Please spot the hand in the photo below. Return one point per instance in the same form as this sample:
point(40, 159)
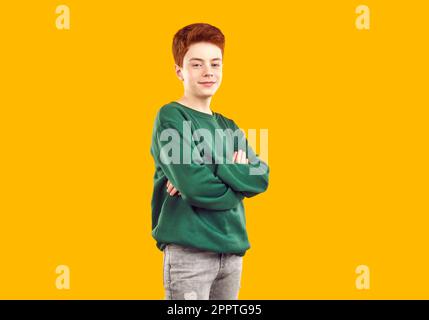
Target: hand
point(240, 157)
point(171, 189)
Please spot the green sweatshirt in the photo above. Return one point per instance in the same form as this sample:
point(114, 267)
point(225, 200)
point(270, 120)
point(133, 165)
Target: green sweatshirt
point(189, 150)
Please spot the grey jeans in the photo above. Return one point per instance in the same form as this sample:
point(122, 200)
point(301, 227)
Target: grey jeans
point(195, 274)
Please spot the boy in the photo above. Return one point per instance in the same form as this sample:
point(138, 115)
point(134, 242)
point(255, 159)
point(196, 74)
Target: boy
point(197, 210)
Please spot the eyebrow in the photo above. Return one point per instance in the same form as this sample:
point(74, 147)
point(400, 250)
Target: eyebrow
point(217, 59)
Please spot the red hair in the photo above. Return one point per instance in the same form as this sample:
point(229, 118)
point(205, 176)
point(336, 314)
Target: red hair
point(193, 33)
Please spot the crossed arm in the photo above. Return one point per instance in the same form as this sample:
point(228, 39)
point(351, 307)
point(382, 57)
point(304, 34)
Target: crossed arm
point(238, 157)
point(222, 189)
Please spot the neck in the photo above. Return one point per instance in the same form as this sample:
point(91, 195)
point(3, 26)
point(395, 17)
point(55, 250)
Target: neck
point(202, 105)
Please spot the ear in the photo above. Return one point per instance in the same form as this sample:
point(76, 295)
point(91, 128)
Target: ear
point(178, 72)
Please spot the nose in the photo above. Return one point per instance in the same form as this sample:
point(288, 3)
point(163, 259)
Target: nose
point(208, 72)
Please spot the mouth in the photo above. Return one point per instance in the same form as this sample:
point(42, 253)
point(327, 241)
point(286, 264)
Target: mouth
point(207, 83)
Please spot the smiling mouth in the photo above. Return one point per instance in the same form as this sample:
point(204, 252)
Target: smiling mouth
point(207, 84)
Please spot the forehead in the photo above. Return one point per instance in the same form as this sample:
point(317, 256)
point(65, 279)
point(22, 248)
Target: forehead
point(203, 50)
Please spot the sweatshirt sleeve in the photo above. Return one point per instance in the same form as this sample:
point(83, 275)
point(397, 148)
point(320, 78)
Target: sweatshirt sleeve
point(249, 179)
point(195, 181)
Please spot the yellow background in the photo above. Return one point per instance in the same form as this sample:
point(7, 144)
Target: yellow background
point(348, 132)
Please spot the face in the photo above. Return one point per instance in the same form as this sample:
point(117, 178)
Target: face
point(202, 63)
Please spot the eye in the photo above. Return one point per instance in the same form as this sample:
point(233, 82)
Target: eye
point(216, 64)
point(194, 65)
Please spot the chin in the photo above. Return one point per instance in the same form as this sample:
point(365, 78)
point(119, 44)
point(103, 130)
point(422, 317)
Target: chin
point(205, 95)
point(209, 92)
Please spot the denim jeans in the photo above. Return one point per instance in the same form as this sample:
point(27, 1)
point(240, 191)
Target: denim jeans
point(195, 274)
